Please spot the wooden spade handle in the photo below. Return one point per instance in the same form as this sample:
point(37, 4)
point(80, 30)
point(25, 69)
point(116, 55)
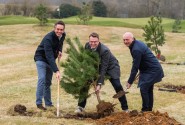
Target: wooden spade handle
point(98, 97)
point(97, 94)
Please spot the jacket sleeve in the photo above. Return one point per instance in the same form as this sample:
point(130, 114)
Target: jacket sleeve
point(103, 66)
point(135, 65)
point(50, 55)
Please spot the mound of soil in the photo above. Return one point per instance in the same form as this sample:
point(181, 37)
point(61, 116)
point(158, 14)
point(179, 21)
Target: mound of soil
point(120, 118)
point(105, 107)
point(136, 118)
point(173, 88)
point(19, 109)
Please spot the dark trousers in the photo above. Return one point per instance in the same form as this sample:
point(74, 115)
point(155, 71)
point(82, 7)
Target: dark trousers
point(147, 97)
point(117, 87)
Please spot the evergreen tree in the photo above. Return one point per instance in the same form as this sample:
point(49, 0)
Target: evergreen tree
point(99, 8)
point(85, 14)
point(80, 69)
point(154, 34)
point(68, 10)
point(41, 14)
point(176, 26)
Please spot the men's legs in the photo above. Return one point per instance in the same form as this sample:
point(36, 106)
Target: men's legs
point(147, 97)
point(151, 98)
point(41, 70)
point(47, 90)
point(118, 87)
point(82, 101)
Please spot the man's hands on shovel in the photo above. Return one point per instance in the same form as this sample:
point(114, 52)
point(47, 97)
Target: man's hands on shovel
point(128, 85)
point(98, 87)
point(58, 76)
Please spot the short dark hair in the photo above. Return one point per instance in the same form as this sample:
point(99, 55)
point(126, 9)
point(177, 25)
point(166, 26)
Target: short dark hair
point(60, 23)
point(94, 35)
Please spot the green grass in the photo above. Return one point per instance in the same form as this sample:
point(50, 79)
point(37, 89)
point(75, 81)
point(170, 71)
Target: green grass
point(98, 21)
point(9, 20)
point(19, 76)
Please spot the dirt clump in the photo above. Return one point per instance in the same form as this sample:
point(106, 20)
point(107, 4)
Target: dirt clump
point(173, 88)
point(105, 107)
point(137, 118)
point(19, 109)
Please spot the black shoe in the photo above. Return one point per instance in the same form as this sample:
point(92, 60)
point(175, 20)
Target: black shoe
point(39, 106)
point(49, 107)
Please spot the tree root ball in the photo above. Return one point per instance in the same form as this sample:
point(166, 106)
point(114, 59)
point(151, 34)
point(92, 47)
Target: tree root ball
point(105, 108)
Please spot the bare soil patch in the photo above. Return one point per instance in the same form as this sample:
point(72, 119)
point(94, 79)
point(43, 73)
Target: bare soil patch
point(114, 118)
point(136, 118)
point(172, 88)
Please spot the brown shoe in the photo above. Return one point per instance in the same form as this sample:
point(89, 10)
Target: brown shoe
point(39, 106)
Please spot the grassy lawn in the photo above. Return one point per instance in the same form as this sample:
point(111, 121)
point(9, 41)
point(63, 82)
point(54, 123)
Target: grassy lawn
point(98, 21)
point(18, 71)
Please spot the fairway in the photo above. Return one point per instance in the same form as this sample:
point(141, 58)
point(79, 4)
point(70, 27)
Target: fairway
point(19, 77)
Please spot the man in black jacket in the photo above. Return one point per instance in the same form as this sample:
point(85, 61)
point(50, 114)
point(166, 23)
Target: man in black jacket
point(108, 66)
point(150, 69)
point(49, 49)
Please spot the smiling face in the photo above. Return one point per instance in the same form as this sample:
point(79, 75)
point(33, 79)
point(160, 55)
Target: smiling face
point(93, 42)
point(59, 29)
point(128, 38)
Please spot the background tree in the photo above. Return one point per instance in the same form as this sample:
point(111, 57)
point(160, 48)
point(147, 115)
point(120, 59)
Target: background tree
point(154, 34)
point(67, 10)
point(80, 69)
point(112, 10)
point(41, 14)
point(99, 8)
point(27, 8)
point(12, 9)
point(85, 14)
point(176, 26)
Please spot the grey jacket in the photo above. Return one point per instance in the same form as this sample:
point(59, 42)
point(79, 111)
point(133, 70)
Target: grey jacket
point(109, 65)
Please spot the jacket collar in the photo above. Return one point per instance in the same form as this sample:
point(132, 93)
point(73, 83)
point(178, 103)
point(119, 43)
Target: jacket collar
point(131, 45)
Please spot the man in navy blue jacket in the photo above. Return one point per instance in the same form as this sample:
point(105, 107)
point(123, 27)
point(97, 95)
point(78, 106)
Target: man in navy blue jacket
point(49, 49)
point(109, 66)
point(149, 67)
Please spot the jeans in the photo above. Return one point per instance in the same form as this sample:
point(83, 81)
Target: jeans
point(45, 74)
point(117, 87)
point(147, 97)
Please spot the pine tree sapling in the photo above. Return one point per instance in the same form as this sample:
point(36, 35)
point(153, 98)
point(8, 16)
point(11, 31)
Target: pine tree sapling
point(85, 14)
point(41, 14)
point(154, 34)
point(176, 26)
point(80, 69)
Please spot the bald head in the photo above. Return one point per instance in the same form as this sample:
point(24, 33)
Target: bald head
point(128, 34)
point(128, 37)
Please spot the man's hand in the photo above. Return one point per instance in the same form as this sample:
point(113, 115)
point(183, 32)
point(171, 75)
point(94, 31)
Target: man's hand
point(128, 85)
point(58, 75)
point(59, 55)
point(98, 87)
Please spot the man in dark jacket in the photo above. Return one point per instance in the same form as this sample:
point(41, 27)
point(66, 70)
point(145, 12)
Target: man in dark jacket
point(49, 49)
point(149, 67)
point(108, 66)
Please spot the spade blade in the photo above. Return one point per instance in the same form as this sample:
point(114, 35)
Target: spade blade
point(119, 94)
